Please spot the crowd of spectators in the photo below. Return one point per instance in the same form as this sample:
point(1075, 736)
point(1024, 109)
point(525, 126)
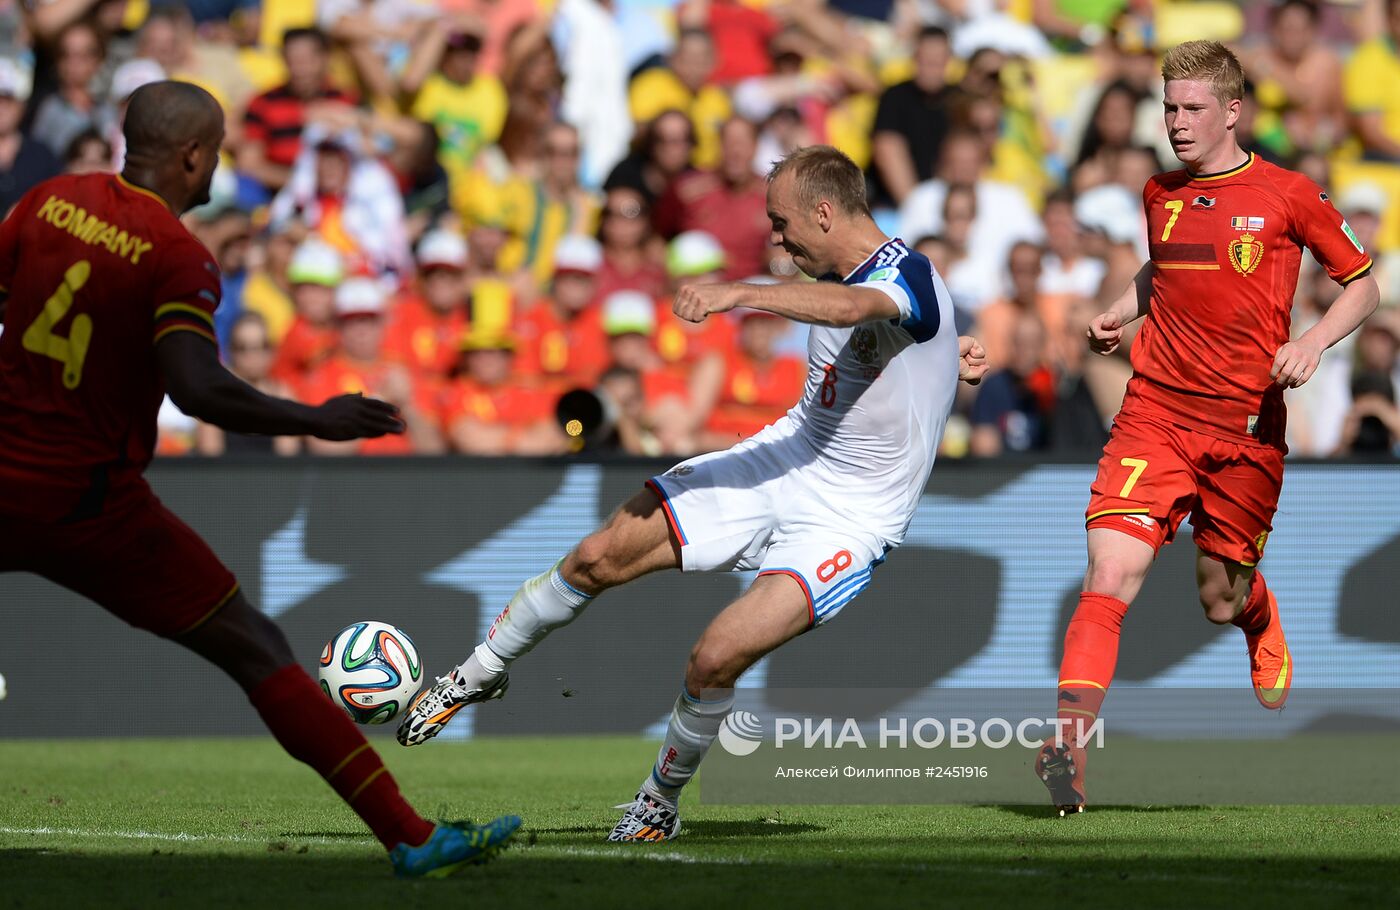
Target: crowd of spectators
point(472, 207)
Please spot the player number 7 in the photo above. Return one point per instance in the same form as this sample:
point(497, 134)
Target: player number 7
point(1138, 465)
point(71, 351)
point(1174, 206)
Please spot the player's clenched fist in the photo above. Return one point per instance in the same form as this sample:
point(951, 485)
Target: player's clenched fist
point(356, 417)
point(1295, 363)
point(973, 363)
point(1105, 333)
point(696, 301)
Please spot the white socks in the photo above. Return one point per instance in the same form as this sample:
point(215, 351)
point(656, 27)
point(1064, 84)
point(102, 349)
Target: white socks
point(541, 605)
point(694, 725)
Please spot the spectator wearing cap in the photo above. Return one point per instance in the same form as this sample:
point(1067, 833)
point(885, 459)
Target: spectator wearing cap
point(314, 272)
point(126, 79)
point(428, 320)
point(630, 259)
point(1364, 206)
point(683, 85)
point(74, 106)
point(250, 356)
point(729, 203)
point(760, 385)
point(466, 105)
point(488, 409)
point(24, 162)
point(275, 119)
point(1370, 81)
point(911, 123)
point(562, 345)
point(629, 320)
point(695, 257)
point(349, 197)
point(360, 366)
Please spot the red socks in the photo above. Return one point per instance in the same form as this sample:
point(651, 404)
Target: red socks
point(1254, 616)
point(1091, 653)
point(316, 732)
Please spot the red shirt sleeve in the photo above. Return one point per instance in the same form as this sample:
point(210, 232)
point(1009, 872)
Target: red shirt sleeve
point(187, 290)
point(1321, 228)
point(254, 121)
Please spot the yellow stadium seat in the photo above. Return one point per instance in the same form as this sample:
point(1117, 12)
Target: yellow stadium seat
point(1189, 20)
point(1386, 176)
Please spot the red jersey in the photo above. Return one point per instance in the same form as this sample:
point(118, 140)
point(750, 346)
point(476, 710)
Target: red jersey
point(97, 270)
point(423, 339)
point(562, 353)
point(736, 216)
point(755, 395)
point(304, 348)
point(1226, 250)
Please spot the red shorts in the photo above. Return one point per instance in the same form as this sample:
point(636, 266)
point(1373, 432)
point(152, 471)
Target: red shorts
point(138, 561)
point(1153, 474)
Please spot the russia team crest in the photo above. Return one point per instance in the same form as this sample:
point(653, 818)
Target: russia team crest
point(1246, 254)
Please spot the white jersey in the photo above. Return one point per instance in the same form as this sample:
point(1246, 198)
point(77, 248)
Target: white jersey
point(878, 394)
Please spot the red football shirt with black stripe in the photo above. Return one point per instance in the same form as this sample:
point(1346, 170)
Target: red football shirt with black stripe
point(1226, 249)
point(277, 117)
point(96, 271)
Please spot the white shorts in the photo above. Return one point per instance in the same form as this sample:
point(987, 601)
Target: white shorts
point(752, 507)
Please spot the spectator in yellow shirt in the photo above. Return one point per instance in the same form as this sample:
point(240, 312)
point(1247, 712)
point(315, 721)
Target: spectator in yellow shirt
point(467, 107)
point(1372, 97)
point(681, 85)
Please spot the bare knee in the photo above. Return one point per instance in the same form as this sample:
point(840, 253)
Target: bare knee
point(591, 565)
point(243, 643)
point(712, 666)
point(1113, 576)
point(1221, 600)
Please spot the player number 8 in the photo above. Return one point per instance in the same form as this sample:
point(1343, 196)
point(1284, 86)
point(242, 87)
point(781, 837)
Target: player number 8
point(71, 351)
point(829, 386)
point(834, 566)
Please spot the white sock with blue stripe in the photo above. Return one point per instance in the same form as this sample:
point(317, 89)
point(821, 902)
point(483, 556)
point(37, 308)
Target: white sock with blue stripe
point(541, 605)
point(695, 723)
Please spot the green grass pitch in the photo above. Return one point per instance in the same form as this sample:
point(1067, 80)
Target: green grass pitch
point(234, 823)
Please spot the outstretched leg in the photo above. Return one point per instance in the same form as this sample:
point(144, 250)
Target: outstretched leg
point(773, 610)
point(634, 542)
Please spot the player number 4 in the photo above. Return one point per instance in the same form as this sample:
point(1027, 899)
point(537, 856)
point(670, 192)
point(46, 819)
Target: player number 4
point(1174, 206)
point(1138, 465)
point(71, 351)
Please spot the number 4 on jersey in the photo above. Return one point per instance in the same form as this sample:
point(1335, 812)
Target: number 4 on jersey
point(71, 351)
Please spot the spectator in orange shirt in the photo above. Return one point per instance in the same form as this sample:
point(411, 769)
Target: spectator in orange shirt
point(426, 323)
point(695, 257)
point(759, 384)
point(314, 273)
point(250, 359)
point(996, 322)
point(562, 345)
point(730, 203)
point(361, 366)
point(489, 410)
point(629, 319)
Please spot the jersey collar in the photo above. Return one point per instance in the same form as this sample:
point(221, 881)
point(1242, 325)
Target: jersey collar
point(1222, 175)
point(867, 260)
point(141, 189)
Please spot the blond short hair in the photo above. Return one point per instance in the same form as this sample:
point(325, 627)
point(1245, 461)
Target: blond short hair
point(1206, 61)
point(823, 172)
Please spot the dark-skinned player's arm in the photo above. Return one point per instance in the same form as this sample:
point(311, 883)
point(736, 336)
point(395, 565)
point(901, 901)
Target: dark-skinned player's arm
point(201, 387)
point(1296, 361)
point(1106, 330)
point(815, 303)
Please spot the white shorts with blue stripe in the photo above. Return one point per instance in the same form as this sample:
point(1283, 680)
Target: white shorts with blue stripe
point(750, 508)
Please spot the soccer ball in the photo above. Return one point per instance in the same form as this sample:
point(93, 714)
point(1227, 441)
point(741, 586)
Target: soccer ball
point(371, 670)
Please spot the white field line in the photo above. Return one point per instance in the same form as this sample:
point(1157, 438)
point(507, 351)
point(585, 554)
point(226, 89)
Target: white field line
point(180, 837)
